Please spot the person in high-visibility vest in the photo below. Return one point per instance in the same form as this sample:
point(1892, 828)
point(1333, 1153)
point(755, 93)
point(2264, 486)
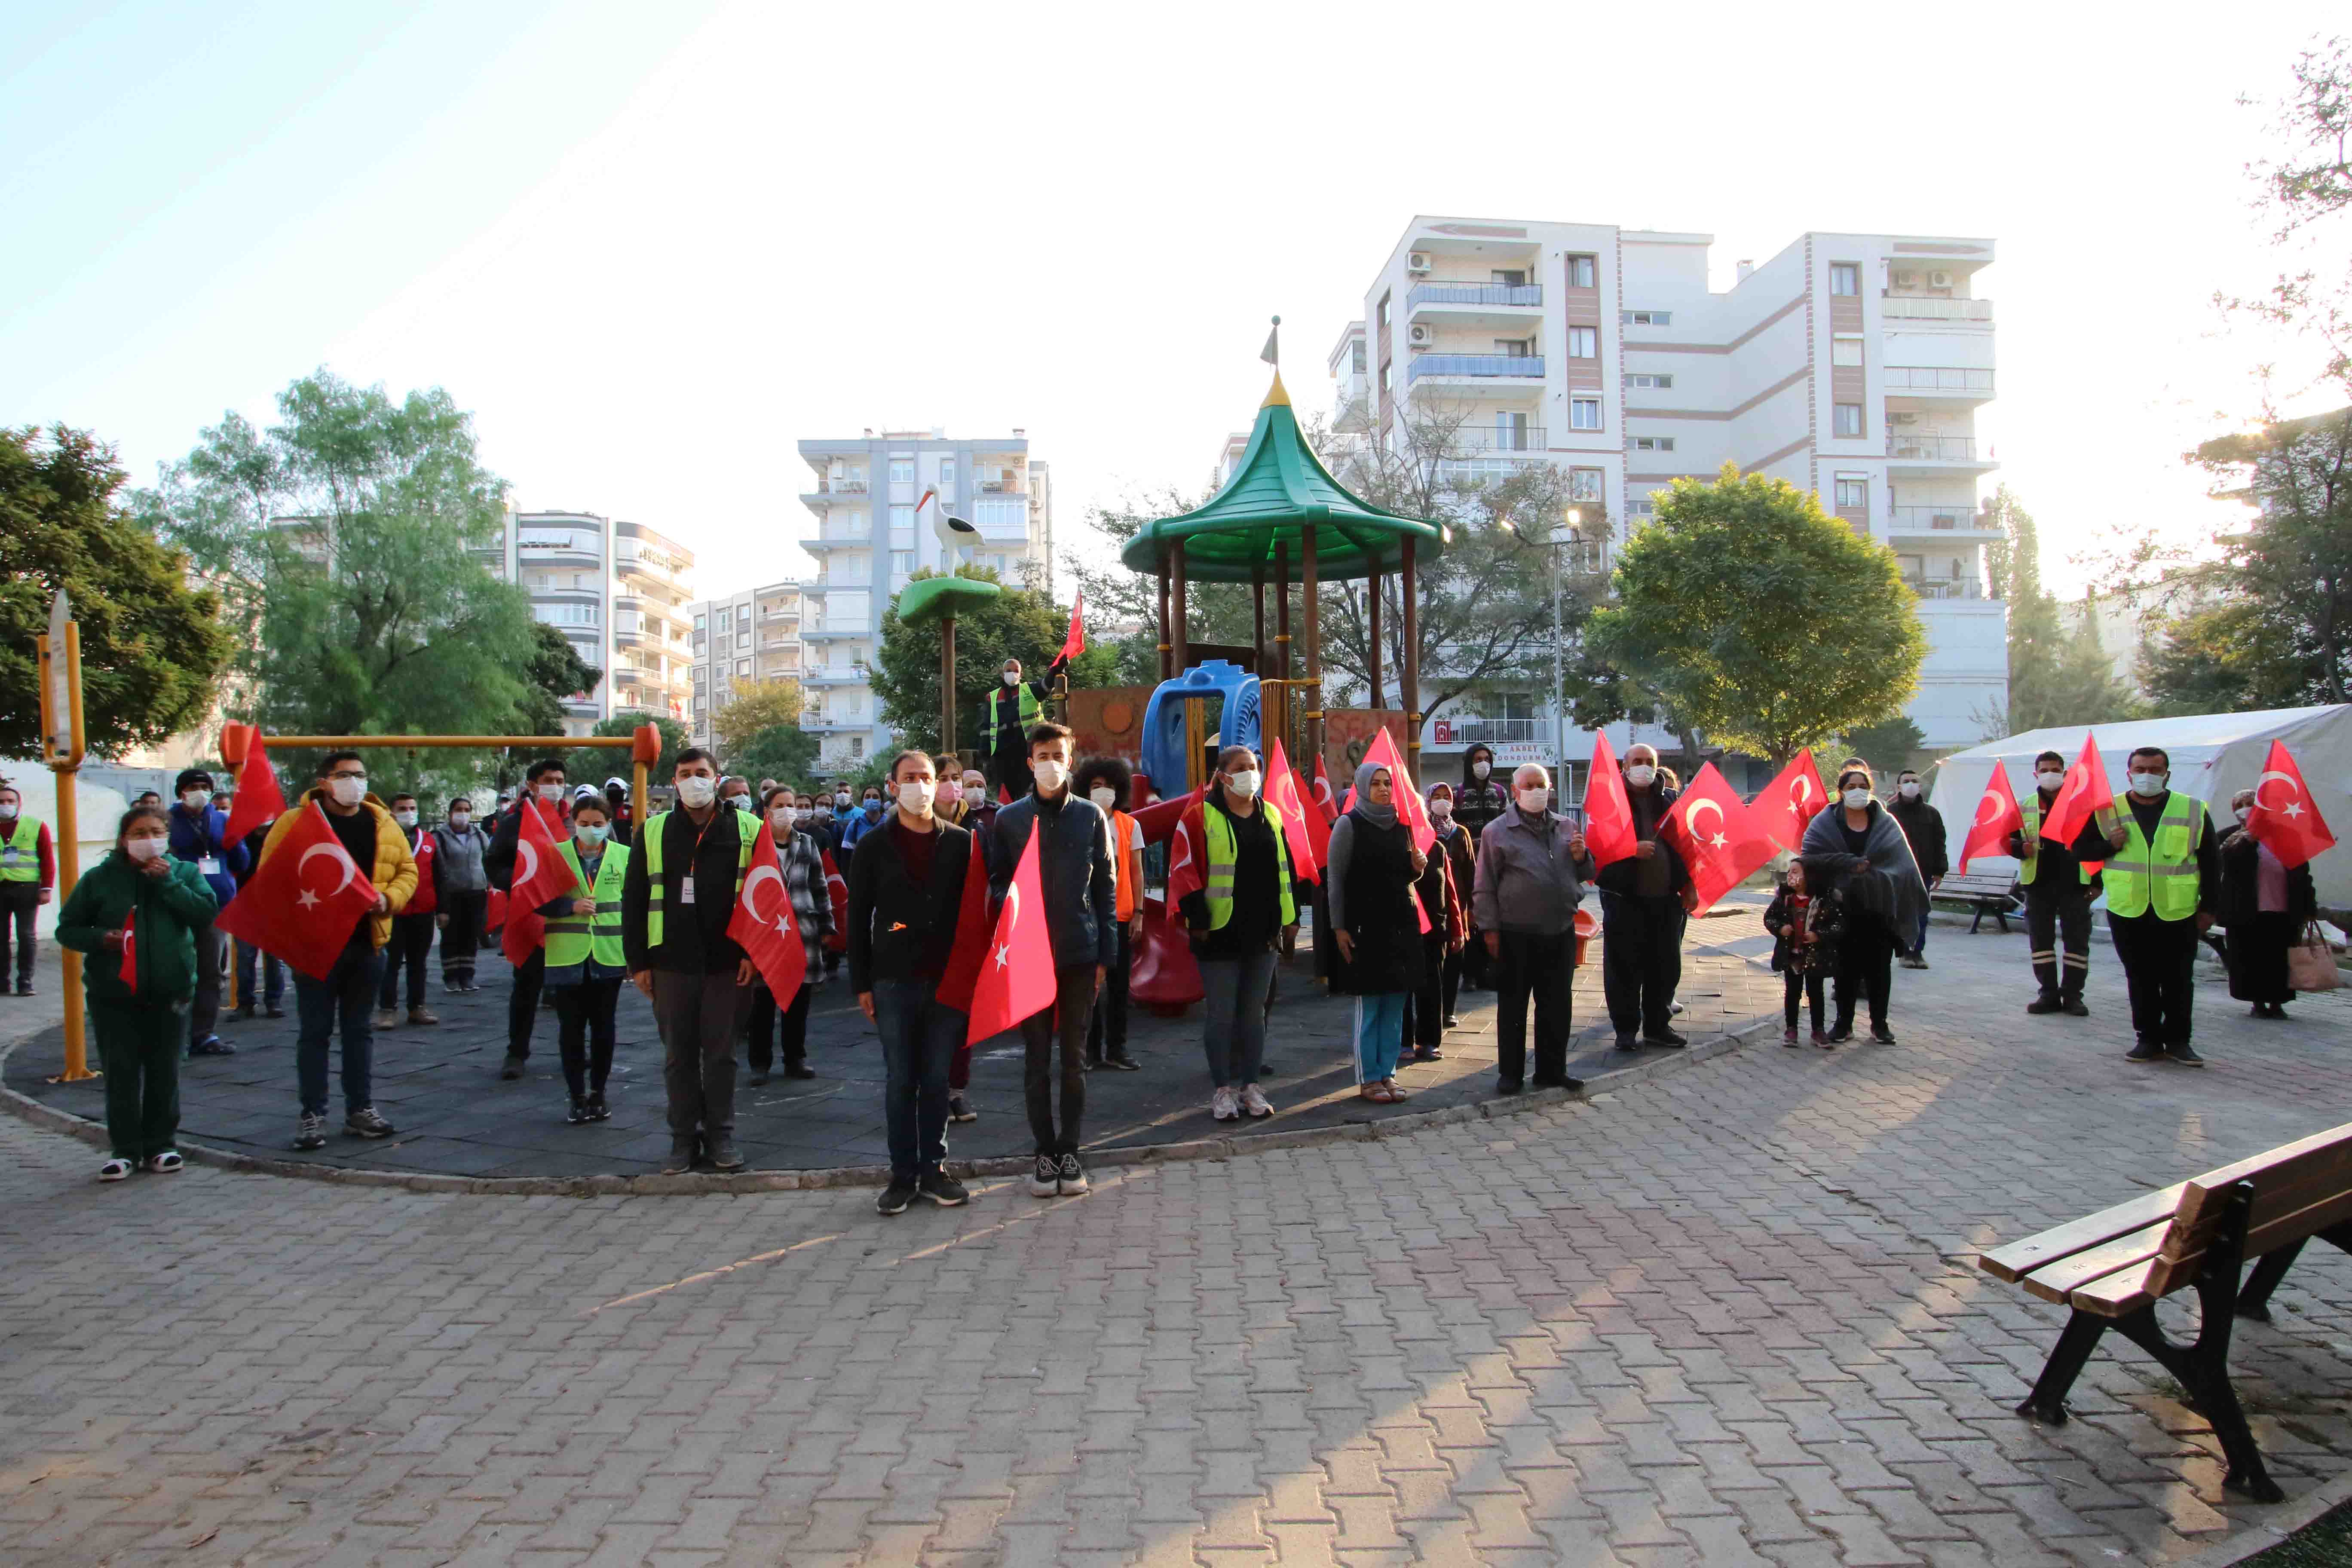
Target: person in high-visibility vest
point(1005, 720)
point(1105, 780)
point(2060, 882)
point(2161, 883)
point(28, 878)
point(1230, 876)
point(583, 956)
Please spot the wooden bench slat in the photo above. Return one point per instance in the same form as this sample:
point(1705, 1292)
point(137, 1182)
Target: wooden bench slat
point(2019, 1259)
point(2289, 1181)
point(2124, 1290)
point(2056, 1282)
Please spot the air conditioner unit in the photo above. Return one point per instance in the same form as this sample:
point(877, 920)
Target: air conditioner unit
point(1419, 336)
point(1939, 280)
point(1905, 280)
point(1417, 261)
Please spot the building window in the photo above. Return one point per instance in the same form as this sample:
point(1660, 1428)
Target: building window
point(723, 620)
point(1642, 506)
point(1355, 356)
point(1383, 316)
point(1645, 317)
point(1649, 379)
point(902, 470)
point(701, 703)
point(1584, 271)
point(701, 622)
point(1584, 414)
point(743, 668)
point(743, 637)
point(1846, 419)
point(1384, 380)
point(1584, 485)
point(1515, 348)
point(856, 525)
point(902, 561)
point(1853, 495)
point(1846, 352)
point(947, 474)
point(902, 517)
point(1584, 343)
point(1649, 443)
point(1845, 278)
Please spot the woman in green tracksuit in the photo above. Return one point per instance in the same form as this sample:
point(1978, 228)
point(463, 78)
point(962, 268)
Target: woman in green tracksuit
point(136, 913)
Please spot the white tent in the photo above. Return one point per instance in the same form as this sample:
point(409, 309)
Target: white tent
point(2214, 755)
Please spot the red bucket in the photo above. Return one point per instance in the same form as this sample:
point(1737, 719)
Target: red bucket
point(1586, 925)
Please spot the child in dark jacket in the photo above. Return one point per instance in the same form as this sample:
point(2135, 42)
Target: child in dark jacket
point(1800, 951)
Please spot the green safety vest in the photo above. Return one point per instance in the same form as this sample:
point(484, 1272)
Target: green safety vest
point(2165, 873)
point(2029, 809)
point(20, 851)
point(1218, 887)
point(650, 839)
point(572, 940)
point(1027, 707)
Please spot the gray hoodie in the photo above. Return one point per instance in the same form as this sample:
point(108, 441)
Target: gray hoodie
point(1527, 881)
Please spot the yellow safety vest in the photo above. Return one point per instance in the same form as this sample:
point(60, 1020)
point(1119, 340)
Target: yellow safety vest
point(651, 840)
point(2163, 874)
point(1027, 709)
point(2030, 810)
point(571, 939)
point(20, 851)
point(1218, 888)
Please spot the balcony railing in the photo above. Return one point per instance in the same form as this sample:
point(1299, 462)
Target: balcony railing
point(1936, 519)
point(1530, 366)
point(1491, 731)
point(1484, 438)
point(1949, 588)
point(1932, 448)
point(1002, 487)
point(1936, 378)
point(839, 487)
point(1468, 293)
point(1936, 308)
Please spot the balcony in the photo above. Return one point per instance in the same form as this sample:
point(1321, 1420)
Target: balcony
point(1466, 294)
point(1510, 367)
point(1490, 732)
point(1956, 523)
point(1001, 488)
point(825, 675)
point(1934, 307)
point(1486, 438)
point(1936, 451)
point(1939, 381)
point(829, 490)
point(1948, 588)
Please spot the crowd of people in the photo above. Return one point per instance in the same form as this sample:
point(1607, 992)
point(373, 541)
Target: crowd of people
point(898, 882)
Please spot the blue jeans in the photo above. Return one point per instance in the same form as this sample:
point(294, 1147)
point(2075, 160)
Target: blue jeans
point(1920, 946)
point(919, 1035)
point(249, 959)
point(1380, 1035)
point(348, 994)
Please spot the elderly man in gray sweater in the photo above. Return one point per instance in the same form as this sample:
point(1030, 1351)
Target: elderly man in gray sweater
point(1531, 869)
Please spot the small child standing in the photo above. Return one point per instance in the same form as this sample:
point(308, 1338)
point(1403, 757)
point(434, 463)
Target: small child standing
point(1799, 952)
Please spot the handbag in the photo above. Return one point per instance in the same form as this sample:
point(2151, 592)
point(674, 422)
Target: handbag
point(2310, 965)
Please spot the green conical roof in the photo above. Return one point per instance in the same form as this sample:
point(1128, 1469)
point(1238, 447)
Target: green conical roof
point(1279, 491)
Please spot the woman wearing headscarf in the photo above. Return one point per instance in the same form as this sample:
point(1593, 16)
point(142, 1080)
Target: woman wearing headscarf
point(1374, 932)
point(2266, 904)
point(1855, 853)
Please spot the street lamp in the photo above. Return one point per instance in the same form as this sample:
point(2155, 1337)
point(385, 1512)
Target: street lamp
point(1565, 534)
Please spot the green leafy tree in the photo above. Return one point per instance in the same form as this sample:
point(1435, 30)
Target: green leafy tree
point(1763, 622)
point(2235, 657)
point(784, 752)
point(753, 709)
point(555, 673)
point(1887, 746)
point(595, 764)
point(2295, 558)
point(2057, 675)
point(1019, 623)
point(152, 649)
point(2304, 188)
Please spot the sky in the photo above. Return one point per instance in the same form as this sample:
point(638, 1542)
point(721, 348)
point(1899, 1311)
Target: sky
point(652, 246)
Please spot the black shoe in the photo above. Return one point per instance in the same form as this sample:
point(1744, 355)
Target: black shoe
point(1665, 1037)
point(681, 1157)
point(1092, 1063)
point(212, 1045)
point(577, 1115)
point(2186, 1055)
point(2074, 1008)
point(896, 1197)
point(799, 1069)
point(1071, 1174)
point(244, 1012)
point(959, 1109)
point(1046, 1178)
point(273, 1011)
point(23, 988)
point(724, 1154)
point(366, 1123)
point(1882, 1034)
point(1627, 1043)
point(1508, 1086)
point(2144, 1051)
point(1841, 1033)
point(1120, 1061)
point(2044, 1004)
point(597, 1110)
point(513, 1068)
point(942, 1189)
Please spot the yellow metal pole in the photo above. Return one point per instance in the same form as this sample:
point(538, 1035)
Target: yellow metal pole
point(66, 768)
point(357, 743)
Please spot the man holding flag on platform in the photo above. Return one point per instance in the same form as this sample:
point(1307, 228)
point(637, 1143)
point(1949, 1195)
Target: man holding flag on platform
point(1007, 717)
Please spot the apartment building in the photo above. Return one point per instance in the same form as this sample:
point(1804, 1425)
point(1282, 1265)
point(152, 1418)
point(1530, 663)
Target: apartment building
point(865, 494)
point(652, 657)
point(615, 589)
point(746, 638)
point(1851, 364)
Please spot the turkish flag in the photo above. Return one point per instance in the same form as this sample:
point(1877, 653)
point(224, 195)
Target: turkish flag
point(836, 890)
point(1790, 801)
point(1410, 809)
point(131, 949)
point(972, 937)
point(2085, 792)
point(259, 798)
point(1323, 801)
point(1609, 835)
point(2285, 818)
point(286, 913)
point(1308, 835)
point(1076, 643)
point(1997, 817)
point(1718, 837)
point(1016, 971)
point(540, 874)
point(768, 937)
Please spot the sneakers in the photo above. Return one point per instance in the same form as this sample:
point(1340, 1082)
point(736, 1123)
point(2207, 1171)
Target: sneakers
point(597, 1110)
point(116, 1169)
point(1072, 1174)
point(1224, 1105)
point(1627, 1043)
point(212, 1045)
point(385, 1018)
point(1882, 1034)
point(164, 1163)
point(1788, 1035)
point(681, 1157)
point(366, 1123)
point(1821, 1039)
point(942, 1189)
point(1255, 1101)
point(959, 1109)
point(1046, 1180)
point(896, 1197)
point(2042, 1004)
point(2186, 1055)
point(2144, 1051)
point(1841, 1033)
point(1453, 1021)
point(1665, 1037)
point(513, 1067)
point(310, 1132)
point(723, 1152)
point(418, 1015)
point(577, 1115)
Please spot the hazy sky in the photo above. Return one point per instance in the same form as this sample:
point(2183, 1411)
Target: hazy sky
point(651, 247)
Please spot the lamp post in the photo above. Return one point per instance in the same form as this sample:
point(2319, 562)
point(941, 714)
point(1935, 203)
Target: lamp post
point(1565, 534)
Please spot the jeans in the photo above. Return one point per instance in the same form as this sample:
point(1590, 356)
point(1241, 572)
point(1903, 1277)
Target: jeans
point(1107, 1029)
point(20, 906)
point(2054, 922)
point(1233, 1019)
point(1640, 960)
point(695, 1014)
point(584, 1017)
point(522, 1006)
point(412, 939)
point(1538, 970)
point(139, 1048)
point(346, 997)
point(273, 972)
point(461, 939)
point(769, 1025)
point(1380, 1036)
point(1065, 1021)
point(919, 1035)
point(1866, 968)
point(1919, 938)
point(212, 967)
point(2159, 960)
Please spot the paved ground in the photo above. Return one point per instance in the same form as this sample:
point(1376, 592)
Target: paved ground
point(441, 1086)
point(1725, 1315)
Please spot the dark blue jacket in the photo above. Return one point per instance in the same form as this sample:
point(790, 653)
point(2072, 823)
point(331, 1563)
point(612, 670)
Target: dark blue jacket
point(193, 837)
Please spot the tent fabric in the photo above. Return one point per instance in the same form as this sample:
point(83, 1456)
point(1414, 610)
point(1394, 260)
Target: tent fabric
point(2214, 755)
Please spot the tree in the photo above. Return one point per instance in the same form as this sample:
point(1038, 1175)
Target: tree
point(152, 649)
point(593, 764)
point(785, 752)
point(753, 709)
point(1887, 746)
point(2295, 558)
point(1214, 612)
point(2300, 188)
point(2056, 677)
point(2234, 657)
point(1019, 623)
point(556, 674)
point(1760, 620)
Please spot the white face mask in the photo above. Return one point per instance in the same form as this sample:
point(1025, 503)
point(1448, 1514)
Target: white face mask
point(405, 818)
point(841, 799)
point(1480, 770)
point(346, 792)
point(2240, 813)
point(2050, 781)
point(1011, 678)
point(1104, 796)
point(783, 818)
point(914, 796)
point(1640, 774)
point(460, 820)
point(1534, 801)
point(7, 811)
point(591, 834)
point(740, 802)
point(1441, 809)
point(1856, 799)
point(1049, 775)
point(196, 799)
point(977, 789)
point(145, 850)
point(694, 792)
point(550, 792)
point(2147, 783)
point(1910, 788)
point(1244, 782)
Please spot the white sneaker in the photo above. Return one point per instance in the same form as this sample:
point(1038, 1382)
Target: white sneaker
point(1223, 1105)
point(1254, 1103)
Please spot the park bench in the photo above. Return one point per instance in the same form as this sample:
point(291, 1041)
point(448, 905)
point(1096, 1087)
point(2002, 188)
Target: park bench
point(1987, 895)
point(2113, 1267)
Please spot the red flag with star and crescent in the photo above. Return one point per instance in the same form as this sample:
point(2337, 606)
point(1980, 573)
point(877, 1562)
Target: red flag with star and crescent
point(2084, 793)
point(1410, 809)
point(1609, 835)
point(1325, 801)
point(259, 798)
point(1016, 971)
point(130, 948)
point(762, 923)
point(1076, 643)
point(1308, 835)
point(1790, 801)
point(540, 874)
point(2286, 819)
point(1718, 838)
point(1997, 817)
point(294, 912)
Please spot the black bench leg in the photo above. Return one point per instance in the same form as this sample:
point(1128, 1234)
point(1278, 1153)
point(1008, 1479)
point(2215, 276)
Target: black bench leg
point(2255, 1297)
point(2047, 1402)
point(1978, 921)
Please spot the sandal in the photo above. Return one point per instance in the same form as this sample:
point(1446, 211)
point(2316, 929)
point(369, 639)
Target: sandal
point(1397, 1092)
point(165, 1163)
point(116, 1169)
point(1379, 1094)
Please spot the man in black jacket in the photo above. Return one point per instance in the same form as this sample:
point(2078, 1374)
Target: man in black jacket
point(1073, 876)
point(686, 872)
point(545, 784)
point(1644, 904)
point(906, 889)
point(1923, 825)
point(2059, 888)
